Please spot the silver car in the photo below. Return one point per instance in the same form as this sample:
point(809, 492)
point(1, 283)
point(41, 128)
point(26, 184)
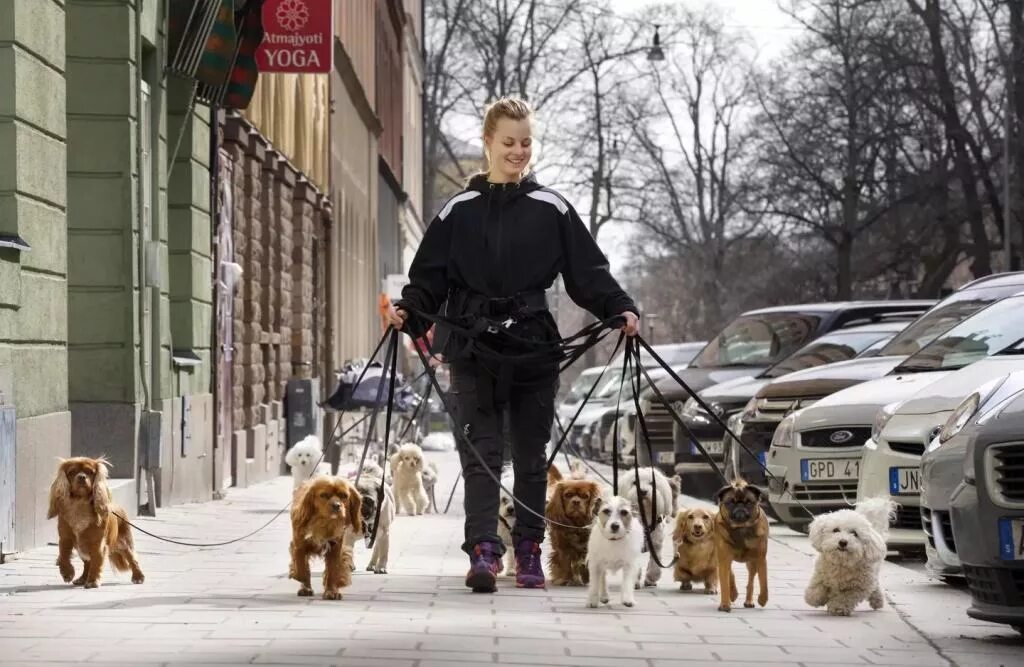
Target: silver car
point(987, 509)
point(942, 467)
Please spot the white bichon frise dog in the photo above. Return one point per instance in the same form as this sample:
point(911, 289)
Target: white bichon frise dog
point(616, 539)
point(407, 473)
point(851, 548)
point(657, 501)
point(303, 458)
point(507, 521)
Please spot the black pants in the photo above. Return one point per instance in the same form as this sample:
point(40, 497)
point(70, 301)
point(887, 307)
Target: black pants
point(530, 413)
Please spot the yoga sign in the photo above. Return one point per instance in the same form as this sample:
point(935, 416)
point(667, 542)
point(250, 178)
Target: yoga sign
point(298, 37)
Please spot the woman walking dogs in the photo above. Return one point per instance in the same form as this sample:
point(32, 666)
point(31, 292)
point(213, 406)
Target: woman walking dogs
point(492, 251)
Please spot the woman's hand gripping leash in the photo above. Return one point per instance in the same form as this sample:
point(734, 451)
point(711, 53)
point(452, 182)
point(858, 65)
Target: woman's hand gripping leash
point(631, 326)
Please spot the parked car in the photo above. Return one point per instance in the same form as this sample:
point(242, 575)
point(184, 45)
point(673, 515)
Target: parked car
point(748, 345)
point(676, 355)
point(838, 345)
point(804, 388)
point(987, 509)
point(942, 467)
point(980, 349)
point(815, 455)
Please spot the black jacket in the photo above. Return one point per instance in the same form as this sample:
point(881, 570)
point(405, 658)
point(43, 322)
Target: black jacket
point(499, 240)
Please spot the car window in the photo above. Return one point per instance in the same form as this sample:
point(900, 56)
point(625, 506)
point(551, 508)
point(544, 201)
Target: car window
point(951, 311)
point(580, 387)
point(758, 340)
point(828, 349)
point(985, 333)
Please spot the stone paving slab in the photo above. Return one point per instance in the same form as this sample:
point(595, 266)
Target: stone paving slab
point(235, 605)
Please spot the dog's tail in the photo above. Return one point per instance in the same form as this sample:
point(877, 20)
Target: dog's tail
point(879, 512)
point(554, 475)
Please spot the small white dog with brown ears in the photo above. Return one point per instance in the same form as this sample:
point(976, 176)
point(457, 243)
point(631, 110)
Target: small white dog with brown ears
point(616, 540)
point(407, 473)
point(851, 548)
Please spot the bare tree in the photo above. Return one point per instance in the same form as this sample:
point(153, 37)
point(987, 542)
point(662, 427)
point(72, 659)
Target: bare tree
point(691, 192)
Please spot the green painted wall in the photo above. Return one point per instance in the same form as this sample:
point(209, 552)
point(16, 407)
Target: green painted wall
point(33, 198)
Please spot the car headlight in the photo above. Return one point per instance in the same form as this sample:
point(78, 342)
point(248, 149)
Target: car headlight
point(882, 418)
point(749, 410)
point(692, 411)
point(784, 433)
point(960, 418)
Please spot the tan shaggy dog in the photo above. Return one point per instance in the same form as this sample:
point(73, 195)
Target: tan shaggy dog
point(325, 511)
point(694, 540)
point(574, 504)
point(407, 472)
point(89, 522)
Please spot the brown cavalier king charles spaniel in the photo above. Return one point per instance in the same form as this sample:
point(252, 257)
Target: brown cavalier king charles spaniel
point(323, 510)
point(89, 522)
point(573, 502)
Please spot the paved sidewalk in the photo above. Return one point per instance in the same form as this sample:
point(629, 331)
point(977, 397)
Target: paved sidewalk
point(235, 605)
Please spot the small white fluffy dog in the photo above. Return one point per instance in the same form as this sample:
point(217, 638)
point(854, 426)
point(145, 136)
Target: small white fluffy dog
point(303, 458)
point(407, 472)
point(616, 539)
point(851, 548)
point(430, 476)
point(658, 508)
point(507, 521)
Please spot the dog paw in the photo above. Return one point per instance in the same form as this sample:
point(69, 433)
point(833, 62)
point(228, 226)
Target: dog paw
point(92, 584)
point(592, 604)
point(686, 586)
point(604, 600)
point(369, 568)
point(80, 581)
point(332, 595)
point(650, 584)
point(762, 599)
point(748, 605)
point(139, 578)
point(380, 570)
point(839, 611)
point(67, 572)
point(710, 591)
point(724, 607)
point(305, 592)
point(628, 604)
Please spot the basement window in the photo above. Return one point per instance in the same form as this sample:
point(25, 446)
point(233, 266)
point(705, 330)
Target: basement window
point(14, 242)
point(185, 359)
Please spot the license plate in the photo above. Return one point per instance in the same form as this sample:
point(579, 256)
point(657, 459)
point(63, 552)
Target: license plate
point(710, 446)
point(827, 470)
point(1011, 539)
point(667, 457)
point(905, 481)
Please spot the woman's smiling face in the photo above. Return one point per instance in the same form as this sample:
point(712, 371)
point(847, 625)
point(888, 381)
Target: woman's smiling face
point(509, 149)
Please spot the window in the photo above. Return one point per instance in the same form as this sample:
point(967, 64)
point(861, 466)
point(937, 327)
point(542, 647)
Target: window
point(758, 340)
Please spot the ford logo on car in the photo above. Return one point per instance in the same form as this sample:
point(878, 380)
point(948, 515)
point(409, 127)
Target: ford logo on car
point(840, 437)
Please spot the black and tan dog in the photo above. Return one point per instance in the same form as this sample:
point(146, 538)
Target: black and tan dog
point(741, 535)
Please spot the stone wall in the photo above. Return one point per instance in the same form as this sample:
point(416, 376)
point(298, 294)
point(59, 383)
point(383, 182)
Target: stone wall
point(278, 214)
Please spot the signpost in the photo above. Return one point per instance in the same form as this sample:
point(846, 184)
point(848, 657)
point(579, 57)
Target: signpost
point(298, 37)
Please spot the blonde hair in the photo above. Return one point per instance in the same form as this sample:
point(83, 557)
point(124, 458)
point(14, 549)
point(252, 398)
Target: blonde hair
point(513, 108)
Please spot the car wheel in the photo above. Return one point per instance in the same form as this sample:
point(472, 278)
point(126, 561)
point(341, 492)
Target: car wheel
point(954, 581)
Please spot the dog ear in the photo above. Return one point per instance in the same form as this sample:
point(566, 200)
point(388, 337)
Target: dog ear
point(595, 498)
point(680, 530)
point(756, 490)
point(721, 492)
point(556, 507)
point(59, 490)
point(290, 455)
point(303, 505)
point(100, 491)
point(815, 532)
point(554, 474)
point(355, 506)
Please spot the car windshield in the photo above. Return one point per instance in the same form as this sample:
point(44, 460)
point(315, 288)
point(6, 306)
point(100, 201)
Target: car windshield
point(758, 340)
point(837, 346)
point(995, 328)
point(954, 309)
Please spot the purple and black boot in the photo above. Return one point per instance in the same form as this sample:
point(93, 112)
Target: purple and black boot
point(484, 565)
point(529, 571)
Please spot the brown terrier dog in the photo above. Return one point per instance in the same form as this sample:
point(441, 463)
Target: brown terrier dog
point(694, 539)
point(324, 509)
point(741, 535)
point(89, 522)
point(573, 503)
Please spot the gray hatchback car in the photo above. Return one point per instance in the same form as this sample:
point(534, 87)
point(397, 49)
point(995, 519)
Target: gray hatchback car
point(942, 467)
point(987, 511)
